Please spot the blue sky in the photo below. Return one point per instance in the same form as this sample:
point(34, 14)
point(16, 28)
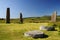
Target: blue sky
point(29, 8)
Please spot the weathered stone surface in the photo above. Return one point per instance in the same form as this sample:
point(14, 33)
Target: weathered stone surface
point(47, 28)
point(53, 17)
point(34, 34)
point(8, 15)
point(21, 19)
point(43, 28)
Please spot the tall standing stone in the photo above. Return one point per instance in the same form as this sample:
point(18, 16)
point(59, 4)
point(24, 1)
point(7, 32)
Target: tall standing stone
point(21, 19)
point(53, 17)
point(8, 15)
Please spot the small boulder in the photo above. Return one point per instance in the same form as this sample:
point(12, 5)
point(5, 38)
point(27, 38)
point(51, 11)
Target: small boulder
point(43, 28)
point(51, 28)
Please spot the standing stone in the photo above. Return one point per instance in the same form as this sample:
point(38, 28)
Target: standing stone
point(21, 19)
point(8, 15)
point(53, 17)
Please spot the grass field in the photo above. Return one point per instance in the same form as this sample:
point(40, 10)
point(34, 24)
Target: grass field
point(15, 31)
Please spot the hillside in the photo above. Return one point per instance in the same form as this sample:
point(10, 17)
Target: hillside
point(31, 19)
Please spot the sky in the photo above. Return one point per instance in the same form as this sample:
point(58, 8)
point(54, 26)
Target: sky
point(29, 8)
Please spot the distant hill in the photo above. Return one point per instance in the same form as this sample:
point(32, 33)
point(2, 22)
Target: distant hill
point(31, 19)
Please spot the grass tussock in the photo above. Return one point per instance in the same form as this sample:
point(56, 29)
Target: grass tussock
point(16, 31)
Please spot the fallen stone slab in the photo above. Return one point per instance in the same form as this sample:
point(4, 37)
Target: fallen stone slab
point(49, 28)
point(34, 34)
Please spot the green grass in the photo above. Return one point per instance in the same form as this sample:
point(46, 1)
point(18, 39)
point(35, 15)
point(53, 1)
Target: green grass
point(15, 31)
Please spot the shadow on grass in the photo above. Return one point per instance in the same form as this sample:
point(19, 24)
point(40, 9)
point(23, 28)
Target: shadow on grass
point(42, 36)
point(52, 30)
